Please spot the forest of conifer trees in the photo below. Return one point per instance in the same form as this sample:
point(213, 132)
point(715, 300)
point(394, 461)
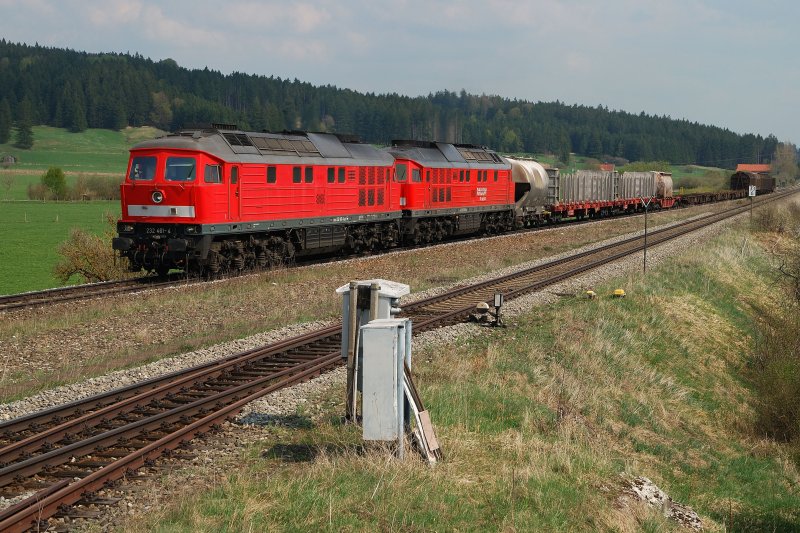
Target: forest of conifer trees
point(78, 90)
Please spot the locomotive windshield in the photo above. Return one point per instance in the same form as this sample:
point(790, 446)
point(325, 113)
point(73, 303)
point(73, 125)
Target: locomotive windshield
point(143, 168)
point(180, 169)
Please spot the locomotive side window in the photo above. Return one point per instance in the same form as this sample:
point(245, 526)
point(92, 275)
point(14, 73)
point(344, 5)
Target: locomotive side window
point(331, 175)
point(415, 177)
point(341, 175)
point(143, 168)
point(272, 174)
point(309, 174)
point(495, 175)
point(212, 174)
point(400, 172)
point(180, 169)
point(297, 174)
point(235, 175)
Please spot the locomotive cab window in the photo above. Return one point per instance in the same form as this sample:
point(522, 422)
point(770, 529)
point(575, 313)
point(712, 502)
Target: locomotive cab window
point(235, 175)
point(180, 169)
point(143, 169)
point(212, 174)
point(400, 172)
point(415, 176)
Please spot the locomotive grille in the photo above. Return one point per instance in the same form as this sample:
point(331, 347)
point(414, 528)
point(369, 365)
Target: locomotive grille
point(362, 176)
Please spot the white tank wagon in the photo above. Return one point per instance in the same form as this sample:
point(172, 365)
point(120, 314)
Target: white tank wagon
point(645, 185)
point(589, 186)
point(533, 190)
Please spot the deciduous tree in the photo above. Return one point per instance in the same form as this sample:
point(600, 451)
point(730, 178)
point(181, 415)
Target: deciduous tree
point(784, 164)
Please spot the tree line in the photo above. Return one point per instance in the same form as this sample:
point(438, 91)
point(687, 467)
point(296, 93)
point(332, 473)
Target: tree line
point(78, 90)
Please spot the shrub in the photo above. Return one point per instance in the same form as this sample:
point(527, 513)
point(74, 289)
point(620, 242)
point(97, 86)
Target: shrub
point(38, 191)
point(776, 377)
point(90, 257)
point(776, 362)
point(777, 220)
point(56, 182)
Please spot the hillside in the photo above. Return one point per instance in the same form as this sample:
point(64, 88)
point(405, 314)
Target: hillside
point(77, 90)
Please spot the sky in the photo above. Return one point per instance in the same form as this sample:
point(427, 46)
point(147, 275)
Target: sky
point(729, 63)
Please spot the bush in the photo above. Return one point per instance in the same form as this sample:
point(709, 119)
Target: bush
point(90, 257)
point(776, 377)
point(776, 362)
point(38, 191)
point(56, 183)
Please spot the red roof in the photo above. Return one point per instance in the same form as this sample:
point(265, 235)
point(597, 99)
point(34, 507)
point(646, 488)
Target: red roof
point(752, 168)
point(608, 167)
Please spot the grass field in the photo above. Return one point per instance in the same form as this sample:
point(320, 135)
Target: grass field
point(30, 233)
point(93, 150)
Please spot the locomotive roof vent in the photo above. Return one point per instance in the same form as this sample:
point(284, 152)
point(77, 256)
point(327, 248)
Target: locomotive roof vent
point(220, 126)
point(413, 143)
point(237, 139)
point(348, 138)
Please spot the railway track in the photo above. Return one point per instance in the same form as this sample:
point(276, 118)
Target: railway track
point(62, 456)
point(110, 288)
point(85, 292)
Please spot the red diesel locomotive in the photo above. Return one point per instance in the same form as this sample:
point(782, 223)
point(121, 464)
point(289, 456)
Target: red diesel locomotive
point(220, 199)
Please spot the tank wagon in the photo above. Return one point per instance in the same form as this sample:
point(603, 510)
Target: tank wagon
point(535, 188)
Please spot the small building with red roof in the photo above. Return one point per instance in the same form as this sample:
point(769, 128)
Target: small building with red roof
point(757, 169)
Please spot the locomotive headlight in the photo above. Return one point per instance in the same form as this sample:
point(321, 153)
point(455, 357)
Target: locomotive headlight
point(157, 197)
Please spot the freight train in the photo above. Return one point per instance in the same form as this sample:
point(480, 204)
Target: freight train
point(218, 199)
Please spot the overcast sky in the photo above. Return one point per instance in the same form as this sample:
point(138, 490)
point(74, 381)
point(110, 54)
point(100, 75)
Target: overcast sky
point(730, 63)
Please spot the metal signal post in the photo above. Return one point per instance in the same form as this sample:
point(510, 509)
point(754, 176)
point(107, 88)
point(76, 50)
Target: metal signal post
point(646, 204)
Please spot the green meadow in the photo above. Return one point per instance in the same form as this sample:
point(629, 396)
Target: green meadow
point(30, 233)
